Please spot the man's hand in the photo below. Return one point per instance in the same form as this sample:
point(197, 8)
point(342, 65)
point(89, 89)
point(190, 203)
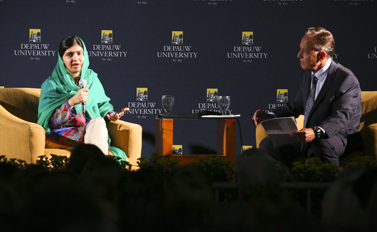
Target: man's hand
point(260, 115)
point(304, 135)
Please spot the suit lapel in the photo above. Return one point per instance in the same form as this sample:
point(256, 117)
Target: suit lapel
point(306, 86)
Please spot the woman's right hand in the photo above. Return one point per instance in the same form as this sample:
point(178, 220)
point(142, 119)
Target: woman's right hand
point(80, 97)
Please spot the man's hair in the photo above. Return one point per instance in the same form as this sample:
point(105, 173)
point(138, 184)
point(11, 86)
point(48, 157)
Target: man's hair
point(324, 40)
point(68, 42)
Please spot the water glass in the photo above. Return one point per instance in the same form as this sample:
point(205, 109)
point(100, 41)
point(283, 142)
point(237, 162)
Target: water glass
point(167, 103)
point(223, 103)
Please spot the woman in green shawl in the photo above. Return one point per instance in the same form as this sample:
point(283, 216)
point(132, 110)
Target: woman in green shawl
point(60, 110)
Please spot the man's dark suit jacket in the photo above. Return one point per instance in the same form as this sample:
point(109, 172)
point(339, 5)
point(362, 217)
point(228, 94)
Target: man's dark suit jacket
point(337, 108)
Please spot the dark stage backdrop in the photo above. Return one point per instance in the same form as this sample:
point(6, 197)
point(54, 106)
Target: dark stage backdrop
point(192, 49)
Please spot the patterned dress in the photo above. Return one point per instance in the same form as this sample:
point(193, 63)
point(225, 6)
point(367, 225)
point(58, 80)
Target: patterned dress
point(67, 127)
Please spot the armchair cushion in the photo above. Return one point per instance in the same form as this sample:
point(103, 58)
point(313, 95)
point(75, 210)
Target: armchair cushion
point(52, 144)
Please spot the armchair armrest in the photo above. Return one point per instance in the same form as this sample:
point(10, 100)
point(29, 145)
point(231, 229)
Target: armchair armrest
point(369, 135)
point(128, 137)
point(260, 134)
point(19, 138)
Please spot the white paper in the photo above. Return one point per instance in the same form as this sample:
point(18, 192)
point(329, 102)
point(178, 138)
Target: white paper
point(221, 116)
point(278, 129)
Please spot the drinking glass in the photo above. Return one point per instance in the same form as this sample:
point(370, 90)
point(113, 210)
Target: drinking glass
point(223, 102)
point(167, 103)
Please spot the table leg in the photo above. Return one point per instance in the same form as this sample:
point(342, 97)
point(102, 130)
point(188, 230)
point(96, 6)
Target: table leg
point(226, 138)
point(164, 136)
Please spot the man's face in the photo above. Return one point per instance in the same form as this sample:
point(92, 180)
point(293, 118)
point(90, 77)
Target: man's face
point(308, 57)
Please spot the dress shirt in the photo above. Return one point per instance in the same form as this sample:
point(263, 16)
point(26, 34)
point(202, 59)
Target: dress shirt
point(321, 75)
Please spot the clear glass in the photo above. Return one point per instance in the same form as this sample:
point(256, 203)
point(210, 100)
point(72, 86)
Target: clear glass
point(223, 103)
point(167, 103)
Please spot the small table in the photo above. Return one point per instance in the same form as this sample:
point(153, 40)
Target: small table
point(226, 136)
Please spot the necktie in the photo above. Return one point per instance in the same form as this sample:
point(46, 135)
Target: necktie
point(311, 98)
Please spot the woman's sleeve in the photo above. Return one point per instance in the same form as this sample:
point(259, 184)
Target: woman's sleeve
point(62, 116)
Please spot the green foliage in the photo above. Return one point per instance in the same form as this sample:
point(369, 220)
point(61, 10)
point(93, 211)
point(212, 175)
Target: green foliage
point(366, 161)
point(164, 163)
point(59, 162)
point(16, 162)
point(216, 168)
point(284, 172)
point(314, 170)
point(53, 162)
point(124, 164)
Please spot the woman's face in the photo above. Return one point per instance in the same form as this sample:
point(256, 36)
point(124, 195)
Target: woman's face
point(73, 60)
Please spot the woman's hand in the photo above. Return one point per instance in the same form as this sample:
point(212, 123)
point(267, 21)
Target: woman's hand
point(80, 97)
point(115, 116)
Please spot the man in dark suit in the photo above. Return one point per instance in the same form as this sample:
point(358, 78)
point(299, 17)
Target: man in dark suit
point(330, 99)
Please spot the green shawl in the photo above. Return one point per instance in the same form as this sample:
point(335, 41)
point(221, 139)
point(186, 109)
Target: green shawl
point(60, 87)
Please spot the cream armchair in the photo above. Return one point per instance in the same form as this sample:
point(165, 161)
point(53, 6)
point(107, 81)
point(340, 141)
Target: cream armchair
point(368, 128)
point(22, 138)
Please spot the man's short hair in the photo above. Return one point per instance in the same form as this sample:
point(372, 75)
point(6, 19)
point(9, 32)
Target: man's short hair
point(324, 40)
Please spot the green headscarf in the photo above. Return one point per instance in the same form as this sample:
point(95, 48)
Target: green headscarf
point(60, 87)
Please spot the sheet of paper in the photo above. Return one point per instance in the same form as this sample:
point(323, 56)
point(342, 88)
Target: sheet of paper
point(278, 129)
